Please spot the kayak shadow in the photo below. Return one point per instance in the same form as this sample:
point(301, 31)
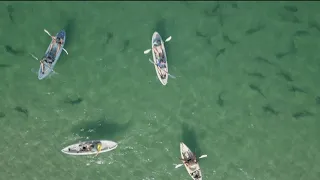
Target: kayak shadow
point(69, 29)
point(190, 139)
point(101, 129)
point(161, 29)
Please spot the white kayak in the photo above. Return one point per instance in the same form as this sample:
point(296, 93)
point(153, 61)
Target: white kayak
point(89, 147)
point(52, 54)
point(192, 166)
point(157, 46)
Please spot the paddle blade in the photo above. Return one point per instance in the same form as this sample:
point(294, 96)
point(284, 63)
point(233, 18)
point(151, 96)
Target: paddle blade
point(47, 32)
point(34, 57)
point(178, 165)
point(151, 61)
point(172, 76)
point(65, 51)
point(203, 156)
point(168, 39)
point(147, 51)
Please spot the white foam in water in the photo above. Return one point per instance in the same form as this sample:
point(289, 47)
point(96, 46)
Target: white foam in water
point(246, 174)
point(148, 178)
point(91, 130)
point(100, 162)
point(95, 161)
point(214, 172)
point(152, 117)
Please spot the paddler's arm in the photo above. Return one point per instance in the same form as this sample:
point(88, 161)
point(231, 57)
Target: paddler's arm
point(98, 150)
point(97, 154)
point(42, 66)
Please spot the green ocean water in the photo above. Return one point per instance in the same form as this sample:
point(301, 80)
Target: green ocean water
point(246, 92)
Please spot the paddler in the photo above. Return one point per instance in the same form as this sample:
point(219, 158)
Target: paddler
point(60, 42)
point(86, 147)
point(157, 49)
point(54, 41)
point(162, 72)
point(161, 63)
point(189, 159)
point(196, 175)
point(99, 147)
point(42, 65)
point(49, 59)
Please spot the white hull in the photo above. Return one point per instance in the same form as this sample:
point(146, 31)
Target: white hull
point(76, 149)
point(47, 67)
point(192, 167)
point(164, 81)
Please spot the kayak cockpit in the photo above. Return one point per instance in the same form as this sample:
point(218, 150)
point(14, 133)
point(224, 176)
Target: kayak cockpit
point(189, 157)
point(86, 147)
point(160, 57)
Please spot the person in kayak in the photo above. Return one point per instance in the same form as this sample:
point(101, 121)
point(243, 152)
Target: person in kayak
point(60, 42)
point(157, 48)
point(161, 72)
point(42, 65)
point(54, 41)
point(49, 59)
point(86, 147)
point(196, 175)
point(163, 75)
point(189, 159)
point(161, 63)
point(99, 147)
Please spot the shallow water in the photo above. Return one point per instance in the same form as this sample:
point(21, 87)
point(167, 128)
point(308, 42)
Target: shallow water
point(246, 92)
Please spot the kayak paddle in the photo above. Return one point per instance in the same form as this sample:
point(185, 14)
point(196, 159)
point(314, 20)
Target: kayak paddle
point(51, 36)
point(179, 165)
point(148, 50)
point(44, 64)
point(162, 69)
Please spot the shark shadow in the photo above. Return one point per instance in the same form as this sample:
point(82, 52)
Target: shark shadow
point(161, 29)
point(190, 139)
point(101, 129)
point(70, 28)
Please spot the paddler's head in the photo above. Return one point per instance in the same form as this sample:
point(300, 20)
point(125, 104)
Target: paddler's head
point(157, 43)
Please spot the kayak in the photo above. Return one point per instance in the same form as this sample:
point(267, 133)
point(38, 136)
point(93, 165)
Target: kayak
point(192, 167)
point(161, 72)
point(48, 68)
point(81, 148)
